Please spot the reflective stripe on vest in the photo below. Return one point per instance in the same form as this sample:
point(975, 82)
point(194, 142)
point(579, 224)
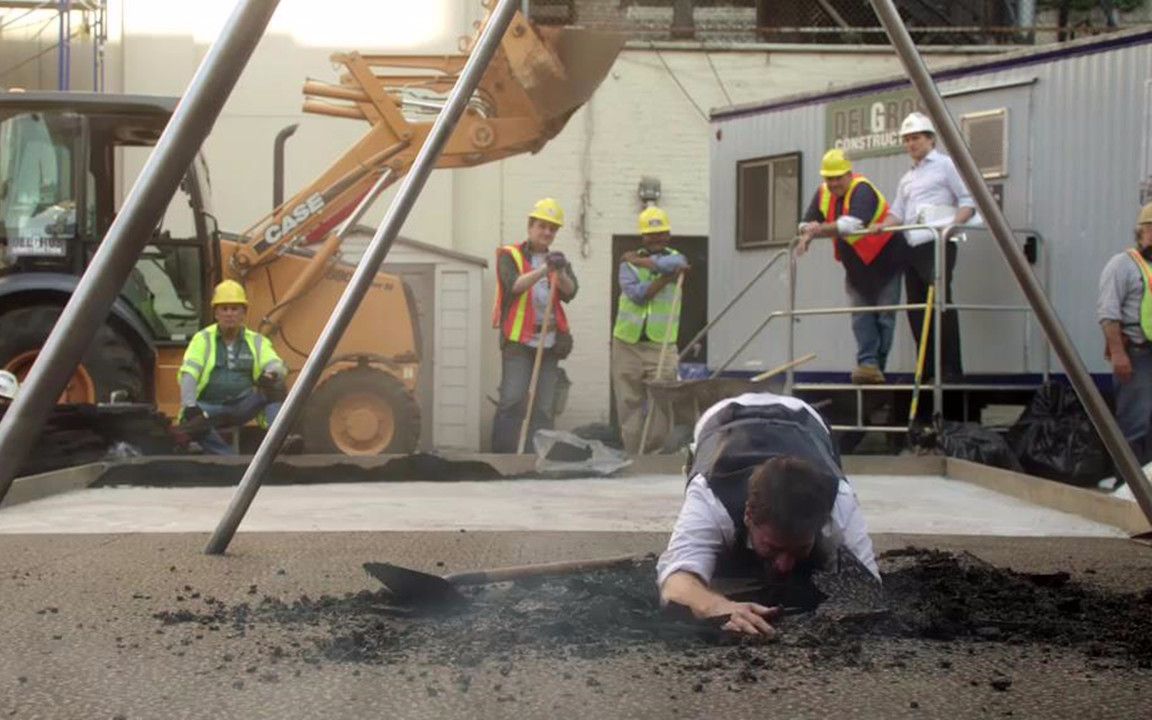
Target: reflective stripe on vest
point(519, 324)
point(1146, 301)
point(866, 246)
point(660, 313)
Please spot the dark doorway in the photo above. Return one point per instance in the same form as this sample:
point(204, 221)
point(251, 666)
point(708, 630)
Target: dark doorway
point(694, 305)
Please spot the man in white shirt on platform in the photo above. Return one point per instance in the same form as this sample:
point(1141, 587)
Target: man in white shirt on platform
point(766, 497)
point(931, 193)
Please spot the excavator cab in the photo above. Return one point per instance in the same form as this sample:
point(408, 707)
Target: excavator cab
point(61, 157)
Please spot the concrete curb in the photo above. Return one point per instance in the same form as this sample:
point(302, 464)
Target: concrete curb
point(56, 482)
point(1088, 504)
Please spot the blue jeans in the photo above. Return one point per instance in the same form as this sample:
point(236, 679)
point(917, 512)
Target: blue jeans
point(516, 373)
point(874, 331)
point(239, 412)
point(1134, 403)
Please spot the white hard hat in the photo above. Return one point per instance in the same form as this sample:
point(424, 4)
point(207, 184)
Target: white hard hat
point(916, 122)
point(9, 385)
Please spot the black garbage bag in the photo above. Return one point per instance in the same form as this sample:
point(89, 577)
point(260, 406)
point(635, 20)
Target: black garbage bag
point(1054, 439)
point(973, 441)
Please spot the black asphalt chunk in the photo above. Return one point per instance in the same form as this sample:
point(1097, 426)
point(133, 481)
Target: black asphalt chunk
point(954, 600)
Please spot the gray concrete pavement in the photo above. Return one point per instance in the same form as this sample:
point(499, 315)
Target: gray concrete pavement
point(647, 503)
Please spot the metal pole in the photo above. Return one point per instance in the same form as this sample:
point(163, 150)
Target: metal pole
point(406, 196)
point(130, 231)
point(789, 376)
point(1127, 465)
point(940, 248)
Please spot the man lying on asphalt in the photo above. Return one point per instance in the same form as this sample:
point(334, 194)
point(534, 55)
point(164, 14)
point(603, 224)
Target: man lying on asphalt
point(766, 498)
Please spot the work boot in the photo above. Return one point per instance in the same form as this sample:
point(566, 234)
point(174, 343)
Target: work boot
point(867, 375)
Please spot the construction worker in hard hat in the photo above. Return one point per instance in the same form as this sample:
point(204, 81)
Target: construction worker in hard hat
point(1124, 309)
point(647, 319)
point(843, 206)
point(930, 193)
point(526, 274)
point(230, 374)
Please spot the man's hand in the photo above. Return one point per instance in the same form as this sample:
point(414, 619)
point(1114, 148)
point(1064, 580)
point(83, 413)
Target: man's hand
point(807, 233)
point(557, 261)
point(745, 617)
point(1122, 367)
point(634, 258)
point(193, 412)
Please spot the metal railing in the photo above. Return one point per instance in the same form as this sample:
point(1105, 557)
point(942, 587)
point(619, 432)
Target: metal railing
point(940, 304)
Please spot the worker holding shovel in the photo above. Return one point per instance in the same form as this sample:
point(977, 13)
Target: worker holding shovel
point(766, 499)
point(647, 326)
point(533, 284)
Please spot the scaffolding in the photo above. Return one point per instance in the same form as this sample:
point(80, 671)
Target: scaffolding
point(72, 19)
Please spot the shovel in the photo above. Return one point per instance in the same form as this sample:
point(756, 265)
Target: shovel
point(414, 587)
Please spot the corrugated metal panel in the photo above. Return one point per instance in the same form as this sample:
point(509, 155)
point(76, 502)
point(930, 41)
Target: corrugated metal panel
point(1082, 181)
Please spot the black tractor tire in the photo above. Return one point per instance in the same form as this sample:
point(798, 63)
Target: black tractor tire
point(110, 361)
point(362, 412)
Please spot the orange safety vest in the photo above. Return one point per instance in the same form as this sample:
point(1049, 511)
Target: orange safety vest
point(519, 324)
point(866, 246)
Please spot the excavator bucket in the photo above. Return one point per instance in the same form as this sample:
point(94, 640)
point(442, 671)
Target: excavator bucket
point(562, 79)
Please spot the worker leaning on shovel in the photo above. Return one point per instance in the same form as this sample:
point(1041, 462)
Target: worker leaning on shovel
point(533, 283)
point(845, 204)
point(230, 374)
point(766, 499)
point(647, 324)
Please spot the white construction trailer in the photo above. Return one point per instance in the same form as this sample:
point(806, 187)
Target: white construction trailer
point(1062, 134)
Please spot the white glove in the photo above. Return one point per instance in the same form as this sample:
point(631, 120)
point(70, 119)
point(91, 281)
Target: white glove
point(847, 224)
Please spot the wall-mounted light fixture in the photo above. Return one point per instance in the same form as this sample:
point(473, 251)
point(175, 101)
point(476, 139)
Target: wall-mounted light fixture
point(649, 190)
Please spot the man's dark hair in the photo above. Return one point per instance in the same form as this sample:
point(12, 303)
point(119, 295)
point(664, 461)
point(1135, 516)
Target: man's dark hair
point(791, 495)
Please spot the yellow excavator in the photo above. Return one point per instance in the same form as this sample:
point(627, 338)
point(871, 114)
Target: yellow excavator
point(58, 169)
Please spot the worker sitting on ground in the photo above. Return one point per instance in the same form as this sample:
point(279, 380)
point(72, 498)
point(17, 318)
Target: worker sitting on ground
point(230, 375)
point(766, 498)
point(647, 319)
point(525, 274)
point(1124, 310)
point(844, 205)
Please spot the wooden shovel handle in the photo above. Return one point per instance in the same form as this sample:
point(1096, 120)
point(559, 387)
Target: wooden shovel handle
point(517, 572)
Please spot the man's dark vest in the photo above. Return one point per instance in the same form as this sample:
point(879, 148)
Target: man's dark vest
point(738, 438)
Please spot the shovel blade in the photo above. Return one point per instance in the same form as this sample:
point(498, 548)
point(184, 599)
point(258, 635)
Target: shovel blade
point(413, 587)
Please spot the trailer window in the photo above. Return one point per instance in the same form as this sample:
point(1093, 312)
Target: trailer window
point(767, 200)
point(987, 136)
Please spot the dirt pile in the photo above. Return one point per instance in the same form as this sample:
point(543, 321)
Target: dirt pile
point(928, 595)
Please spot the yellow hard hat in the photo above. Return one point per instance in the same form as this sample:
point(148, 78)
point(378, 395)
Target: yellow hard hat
point(549, 211)
point(654, 220)
point(229, 292)
point(835, 164)
point(1145, 215)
